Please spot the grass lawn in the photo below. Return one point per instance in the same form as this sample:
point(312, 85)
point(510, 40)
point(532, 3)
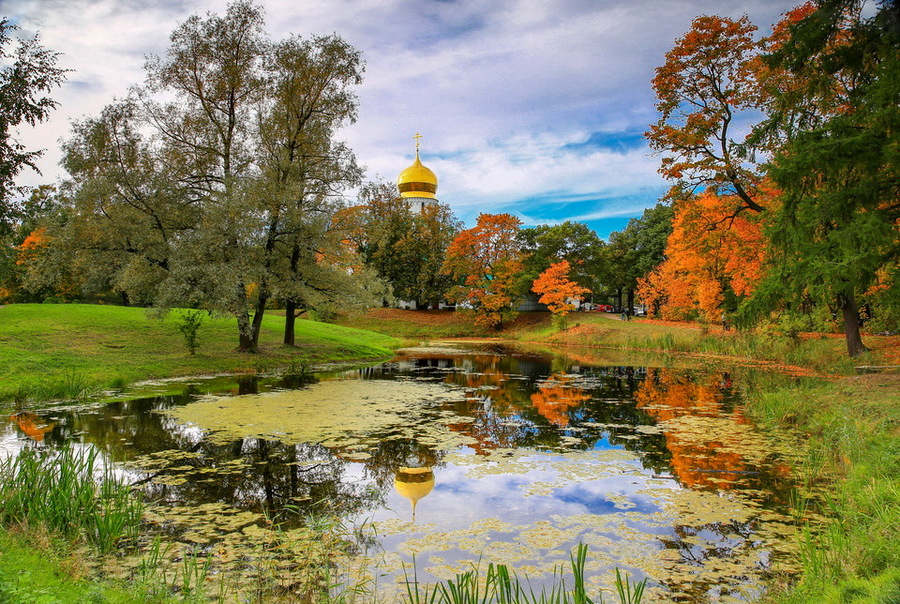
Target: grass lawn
point(56, 350)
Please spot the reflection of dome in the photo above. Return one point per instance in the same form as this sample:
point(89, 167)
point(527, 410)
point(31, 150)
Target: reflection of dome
point(414, 484)
point(417, 181)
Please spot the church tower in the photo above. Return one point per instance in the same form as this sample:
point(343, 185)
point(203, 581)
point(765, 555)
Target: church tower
point(418, 184)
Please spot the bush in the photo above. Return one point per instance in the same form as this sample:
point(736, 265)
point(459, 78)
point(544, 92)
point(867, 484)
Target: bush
point(189, 323)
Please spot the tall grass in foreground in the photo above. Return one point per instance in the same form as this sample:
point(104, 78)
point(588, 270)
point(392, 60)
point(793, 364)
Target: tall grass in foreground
point(70, 493)
point(500, 587)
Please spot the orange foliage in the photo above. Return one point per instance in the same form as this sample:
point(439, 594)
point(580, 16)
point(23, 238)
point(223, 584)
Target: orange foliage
point(555, 289)
point(712, 247)
point(487, 260)
point(554, 398)
point(714, 460)
point(33, 245)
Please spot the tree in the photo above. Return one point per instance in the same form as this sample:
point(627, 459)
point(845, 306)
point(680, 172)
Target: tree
point(836, 237)
point(213, 72)
point(713, 258)
point(304, 171)
point(214, 186)
point(29, 73)
point(704, 88)
point(557, 291)
point(633, 252)
point(486, 262)
point(406, 248)
point(574, 242)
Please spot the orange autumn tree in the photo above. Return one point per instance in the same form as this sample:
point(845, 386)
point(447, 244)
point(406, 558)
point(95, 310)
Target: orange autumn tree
point(557, 291)
point(714, 257)
point(485, 261)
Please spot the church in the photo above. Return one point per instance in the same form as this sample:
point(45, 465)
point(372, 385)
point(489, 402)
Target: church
point(418, 184)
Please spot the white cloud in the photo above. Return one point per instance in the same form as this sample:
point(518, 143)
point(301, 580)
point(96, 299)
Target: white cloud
point(499, 89)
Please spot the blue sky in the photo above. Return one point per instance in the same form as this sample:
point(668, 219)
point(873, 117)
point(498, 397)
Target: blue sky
point(533, 107)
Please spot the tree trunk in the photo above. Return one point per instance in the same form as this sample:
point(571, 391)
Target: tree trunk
point(850, 312)
point(619, 300)
point(290, 318)
point(258, 315)
point(246, 342)
point(630, 309)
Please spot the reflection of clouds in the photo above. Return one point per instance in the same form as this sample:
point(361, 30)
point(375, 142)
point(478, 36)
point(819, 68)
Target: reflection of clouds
point(10, 444)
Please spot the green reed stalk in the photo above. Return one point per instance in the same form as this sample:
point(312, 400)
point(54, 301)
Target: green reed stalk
point(69, 492)
point(499, 586)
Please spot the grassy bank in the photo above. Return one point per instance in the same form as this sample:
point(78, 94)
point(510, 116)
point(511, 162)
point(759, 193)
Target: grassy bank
point(50, 351)
point(847, 434)
point(817, 352)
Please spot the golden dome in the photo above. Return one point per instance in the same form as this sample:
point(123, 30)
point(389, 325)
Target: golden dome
point(417, 181)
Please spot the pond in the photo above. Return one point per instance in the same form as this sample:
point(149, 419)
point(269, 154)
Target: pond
point(451, 456)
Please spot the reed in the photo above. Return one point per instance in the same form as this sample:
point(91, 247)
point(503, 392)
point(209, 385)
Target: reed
point(498, 586)
point(70, 492)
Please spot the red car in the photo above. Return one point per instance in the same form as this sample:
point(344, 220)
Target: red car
point(603, 308)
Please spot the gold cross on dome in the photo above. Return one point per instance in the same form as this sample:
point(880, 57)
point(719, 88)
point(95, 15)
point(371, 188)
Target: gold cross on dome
point(417, 137)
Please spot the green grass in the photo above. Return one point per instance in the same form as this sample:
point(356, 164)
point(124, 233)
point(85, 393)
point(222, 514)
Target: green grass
point(69, 351)
point(847, 435)
point(38, 571)
point(596, 330)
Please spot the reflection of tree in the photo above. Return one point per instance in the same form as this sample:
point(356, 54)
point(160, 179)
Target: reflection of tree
point(555, 397)
point(699, 546)
point(706, 432)
point(32, 425)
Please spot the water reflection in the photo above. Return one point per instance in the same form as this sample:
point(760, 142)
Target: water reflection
point(414, 484)
point(521, 456)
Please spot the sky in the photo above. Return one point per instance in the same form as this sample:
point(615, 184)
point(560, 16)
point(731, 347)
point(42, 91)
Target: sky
point(532, 107)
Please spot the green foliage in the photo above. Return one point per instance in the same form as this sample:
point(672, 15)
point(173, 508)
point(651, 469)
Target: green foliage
point(189, 322)
point(215, 187)
point(835, 236)
point(635, 251)
point(574, 242)
point(28, 72)
point(406, 249)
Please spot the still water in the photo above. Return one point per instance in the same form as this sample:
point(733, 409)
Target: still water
point(448, 456)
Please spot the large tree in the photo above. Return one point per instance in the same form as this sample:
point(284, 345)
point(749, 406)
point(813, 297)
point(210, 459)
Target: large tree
point(837, 235)
point(303, 171)
point(214, 186)
point(707, 94)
